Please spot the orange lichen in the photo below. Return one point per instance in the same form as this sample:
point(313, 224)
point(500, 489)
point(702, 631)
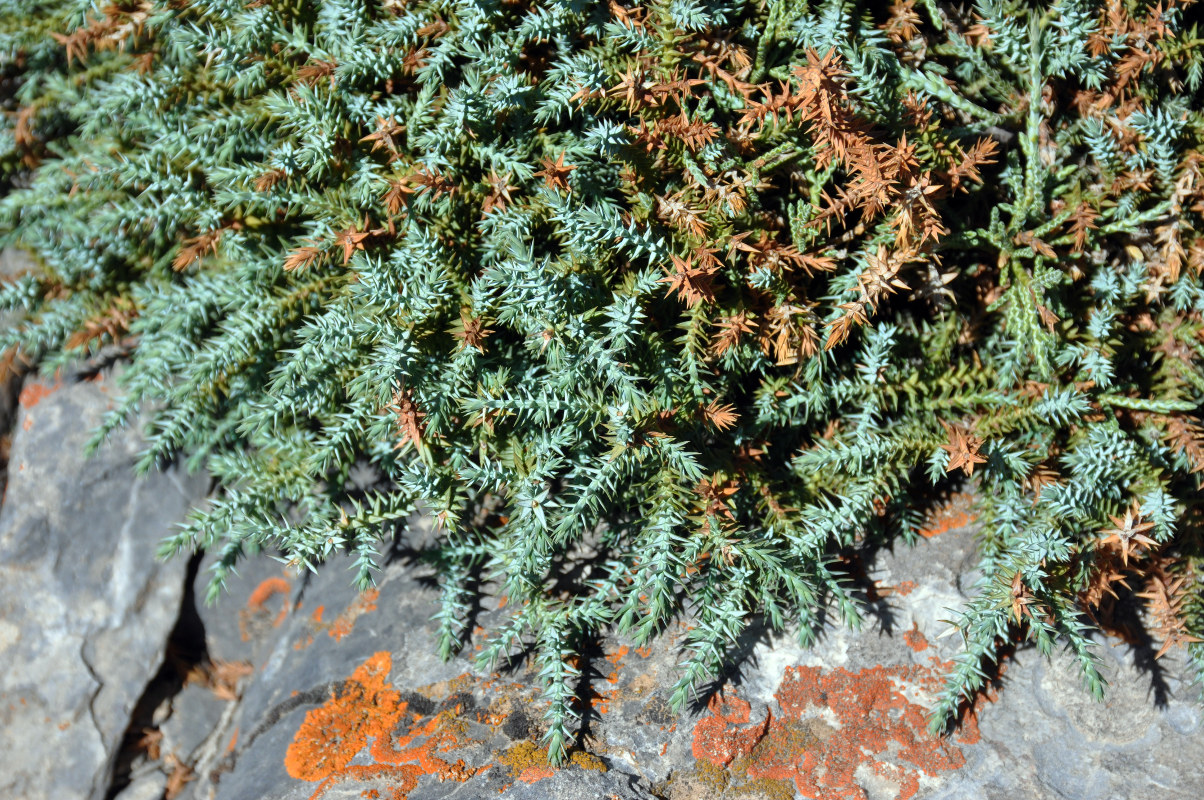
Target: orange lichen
point(785, 739)
point(600, 701)
point(914, 639)
point(332, 734)
point(876, 728)
point(342, 625)
point(616, 660)
point(724, 735)
point(317, 623)
point(34, 393)
point(264, 591)
point(956, 512)
point(345, 623)
point(368, 709)
point(535, 774)
point(257, 602)
point(903, 588)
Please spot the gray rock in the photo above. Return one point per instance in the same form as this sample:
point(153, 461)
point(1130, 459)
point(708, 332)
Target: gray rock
point(150, 786)
point(243, 627)
point(196, 712)
point(244, 620)
point(580, 785)
point(85, 609)
point(843, 719)
point(347, 698)
point(15, 262)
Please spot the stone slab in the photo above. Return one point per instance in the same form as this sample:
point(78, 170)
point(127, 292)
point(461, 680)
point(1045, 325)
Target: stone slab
point(844, 719)
point(85, 608)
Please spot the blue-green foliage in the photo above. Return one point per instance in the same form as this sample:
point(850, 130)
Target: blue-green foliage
point(606, 291)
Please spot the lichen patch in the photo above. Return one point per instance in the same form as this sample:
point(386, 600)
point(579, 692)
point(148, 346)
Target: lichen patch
point(833, 733)
point(367, 712)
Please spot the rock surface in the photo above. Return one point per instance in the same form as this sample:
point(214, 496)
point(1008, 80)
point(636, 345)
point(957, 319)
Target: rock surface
point(300, 687)
point(351, 701)
point(85, 610)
